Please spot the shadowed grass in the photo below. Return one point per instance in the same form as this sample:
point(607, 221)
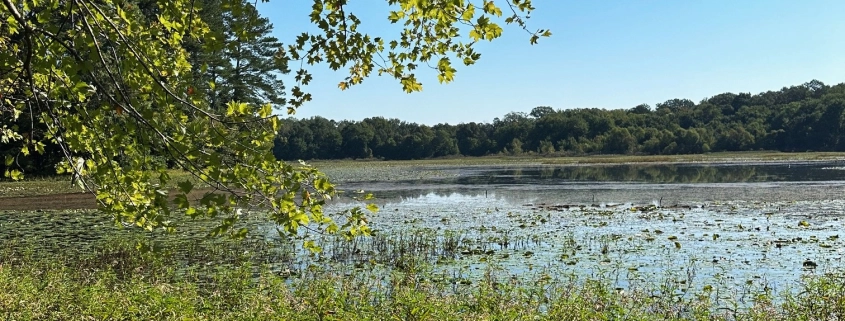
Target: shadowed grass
point(61, 184)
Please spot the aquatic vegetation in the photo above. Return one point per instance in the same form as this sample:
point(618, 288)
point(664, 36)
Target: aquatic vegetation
point(116, 282)
point(574, 250)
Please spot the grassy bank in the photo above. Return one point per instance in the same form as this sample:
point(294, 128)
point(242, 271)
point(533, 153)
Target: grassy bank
point(114, 282)
point(754, 156)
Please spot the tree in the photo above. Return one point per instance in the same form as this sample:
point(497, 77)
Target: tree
point(546, 147)
point(106, 82)
point(444, 142)
point(356, 139)
point(619, 141)
point(515, 147)
point(641, 109)
point(539, 112)
point(474, 139)
point(812, 123)
point(514, 127)
point(327, 138)
point(386, 137)
point(249, 71)
point(675, 105)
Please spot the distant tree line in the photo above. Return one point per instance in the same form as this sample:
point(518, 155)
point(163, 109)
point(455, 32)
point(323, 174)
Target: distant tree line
point(808, 117)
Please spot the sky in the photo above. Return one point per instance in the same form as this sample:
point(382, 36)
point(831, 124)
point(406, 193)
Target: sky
point(602, 54)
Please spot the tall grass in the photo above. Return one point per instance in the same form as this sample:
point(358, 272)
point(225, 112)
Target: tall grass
point(113, 281)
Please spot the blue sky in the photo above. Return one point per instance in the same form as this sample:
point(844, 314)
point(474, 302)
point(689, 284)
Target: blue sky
point(604, 54)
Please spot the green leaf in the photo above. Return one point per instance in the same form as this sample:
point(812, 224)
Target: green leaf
point(185, 186)
point(39, 147)
point(15, 175)
point(395, 16)
point(372, 208)
point(475, 35)
point(12, 25)
point(311, 246)
point(322, 184)
point(469, 12)
point(240, 234)
point(332, 228)
point(265, 111)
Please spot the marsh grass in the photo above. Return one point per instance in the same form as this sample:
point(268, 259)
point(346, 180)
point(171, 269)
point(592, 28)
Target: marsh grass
point(761, 156)
point(113, 281)
point(408, 249)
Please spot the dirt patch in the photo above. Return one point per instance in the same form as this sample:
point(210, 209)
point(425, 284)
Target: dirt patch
point(68, 201)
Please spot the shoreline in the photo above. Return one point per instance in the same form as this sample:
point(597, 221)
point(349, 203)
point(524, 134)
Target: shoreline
point(722, 157)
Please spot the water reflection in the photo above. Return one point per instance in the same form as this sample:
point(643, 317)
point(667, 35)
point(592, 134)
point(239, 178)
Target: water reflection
point(660, 173)
point(672, 183)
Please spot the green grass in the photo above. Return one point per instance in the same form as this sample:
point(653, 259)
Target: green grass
point(38, 186)
point(114, 282)
point(598, 159)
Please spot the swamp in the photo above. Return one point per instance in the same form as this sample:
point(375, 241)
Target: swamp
point(642, 241)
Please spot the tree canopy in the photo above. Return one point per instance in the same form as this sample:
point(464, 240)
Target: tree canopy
point(107, 87)
point(806, 117)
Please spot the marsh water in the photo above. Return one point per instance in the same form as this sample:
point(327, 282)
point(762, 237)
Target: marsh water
point(744, 225)
point(738, 226)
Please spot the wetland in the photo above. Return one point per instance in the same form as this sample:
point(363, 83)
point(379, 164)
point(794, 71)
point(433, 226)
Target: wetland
point(727, 232)
point(759, 223)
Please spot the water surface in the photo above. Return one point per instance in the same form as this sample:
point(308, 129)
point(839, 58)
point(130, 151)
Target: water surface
point(757, 225)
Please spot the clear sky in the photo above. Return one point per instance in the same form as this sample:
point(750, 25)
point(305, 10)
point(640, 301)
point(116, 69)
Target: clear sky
point(605, 54)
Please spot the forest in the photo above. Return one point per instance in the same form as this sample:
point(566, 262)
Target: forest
point(806, 117)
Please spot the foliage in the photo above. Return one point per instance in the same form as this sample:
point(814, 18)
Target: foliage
point(111, 87)
point(93, 286)
point(236, 60)
point(801, 118)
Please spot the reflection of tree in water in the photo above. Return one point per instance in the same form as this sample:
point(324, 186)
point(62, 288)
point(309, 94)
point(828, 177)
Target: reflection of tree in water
point(658, 174)
point(668, 173)
point(517, 173)
point(595, 184)
point(478, 178)
point(547, 172)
